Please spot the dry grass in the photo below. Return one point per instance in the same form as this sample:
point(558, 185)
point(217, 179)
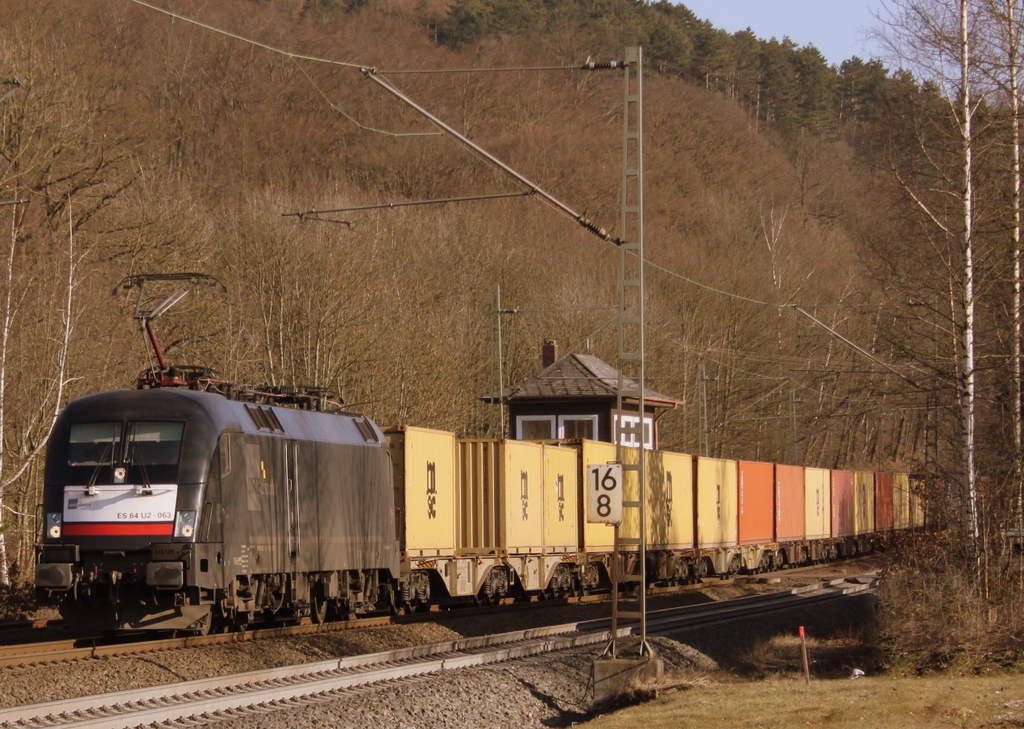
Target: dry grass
point(865, 703)
point(17, 602)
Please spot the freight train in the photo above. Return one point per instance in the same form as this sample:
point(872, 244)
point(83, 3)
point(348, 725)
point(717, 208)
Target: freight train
point(172, 508)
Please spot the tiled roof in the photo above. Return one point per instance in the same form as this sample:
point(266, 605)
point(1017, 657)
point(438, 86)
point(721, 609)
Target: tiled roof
point(577, 376)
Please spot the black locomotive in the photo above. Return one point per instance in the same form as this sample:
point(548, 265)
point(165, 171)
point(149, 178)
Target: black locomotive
point(172, 508)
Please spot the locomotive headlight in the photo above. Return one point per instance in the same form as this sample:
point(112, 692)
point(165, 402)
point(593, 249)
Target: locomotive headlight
point(185, 524)
point(53, 524)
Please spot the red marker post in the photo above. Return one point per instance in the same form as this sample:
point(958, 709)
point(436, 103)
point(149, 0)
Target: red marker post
point(807, 664)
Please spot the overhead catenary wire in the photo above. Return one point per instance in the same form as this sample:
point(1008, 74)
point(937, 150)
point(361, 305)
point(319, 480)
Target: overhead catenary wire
point(376, 75)
point(311, 214)
point(479, 151)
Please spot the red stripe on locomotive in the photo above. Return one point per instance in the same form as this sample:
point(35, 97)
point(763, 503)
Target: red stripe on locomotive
point(92, 530)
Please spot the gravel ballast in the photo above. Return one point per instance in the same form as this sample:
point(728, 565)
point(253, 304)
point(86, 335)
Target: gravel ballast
point(544, 691)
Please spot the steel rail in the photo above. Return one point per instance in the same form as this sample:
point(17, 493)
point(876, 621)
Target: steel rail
point(289, 687)
point(64, 651)
point(70, 650)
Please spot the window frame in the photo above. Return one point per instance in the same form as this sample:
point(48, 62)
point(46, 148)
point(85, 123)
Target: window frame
point(550, 419)
point(633, 419)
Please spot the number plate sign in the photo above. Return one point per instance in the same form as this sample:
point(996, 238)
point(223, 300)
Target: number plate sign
point(604, 493)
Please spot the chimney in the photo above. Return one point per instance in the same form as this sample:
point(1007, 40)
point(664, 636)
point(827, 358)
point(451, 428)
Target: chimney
point(549, 352)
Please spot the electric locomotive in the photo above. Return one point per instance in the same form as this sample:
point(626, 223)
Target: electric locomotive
point(172, 508)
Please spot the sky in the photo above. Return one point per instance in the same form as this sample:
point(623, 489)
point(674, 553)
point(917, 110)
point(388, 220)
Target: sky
point(838, 28)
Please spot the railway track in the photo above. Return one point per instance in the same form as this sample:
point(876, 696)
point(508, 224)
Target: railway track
point(231, 697)
point(77, 649)
point(72, 650)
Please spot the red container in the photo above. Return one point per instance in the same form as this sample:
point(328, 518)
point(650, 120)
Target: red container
point(757, 502)
point(789, 503)
point(842, 503)
point(883, 502)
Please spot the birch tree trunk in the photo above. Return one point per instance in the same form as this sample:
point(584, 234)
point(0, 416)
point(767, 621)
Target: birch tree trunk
point(53, 400)
point(968, 373)
point(938, 40)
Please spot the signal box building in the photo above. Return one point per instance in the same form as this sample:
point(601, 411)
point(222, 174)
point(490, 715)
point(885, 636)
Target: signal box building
point(574, 397)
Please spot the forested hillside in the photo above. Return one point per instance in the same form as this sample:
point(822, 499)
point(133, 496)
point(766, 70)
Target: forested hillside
point(137, 142)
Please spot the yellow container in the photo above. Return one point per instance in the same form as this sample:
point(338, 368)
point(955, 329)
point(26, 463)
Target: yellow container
point(670, 500)
point(817, 503)
point(561, 499)
point(425, 489)
point(900, 501)
point(601, 537)
point(502, 497)
point(863, 502)
point(717, 503)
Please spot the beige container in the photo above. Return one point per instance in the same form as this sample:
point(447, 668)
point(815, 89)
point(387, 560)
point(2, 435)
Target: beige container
point(863, 502)
point(425, 489)
point(817, 503)
point(670, 495)
point(502, 497)
point(901, 501)
point(561, 499)
point(917, 510)
point(717, 497)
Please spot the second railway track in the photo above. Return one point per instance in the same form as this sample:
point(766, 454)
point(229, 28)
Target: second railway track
point(231, 697)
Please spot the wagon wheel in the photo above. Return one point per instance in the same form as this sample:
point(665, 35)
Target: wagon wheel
point(700, 569)
point(317, 607)
point(487, 593)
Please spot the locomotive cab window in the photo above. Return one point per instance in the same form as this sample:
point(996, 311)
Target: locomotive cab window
point(94, 444)
point(154, 444)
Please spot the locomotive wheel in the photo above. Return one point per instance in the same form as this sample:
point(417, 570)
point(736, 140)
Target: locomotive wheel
point(203, 625)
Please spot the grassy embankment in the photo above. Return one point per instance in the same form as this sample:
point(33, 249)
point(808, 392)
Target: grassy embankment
point(864, 703)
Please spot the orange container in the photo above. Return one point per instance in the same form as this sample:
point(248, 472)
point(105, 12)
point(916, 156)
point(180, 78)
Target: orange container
point(757, 502)
point(789, 503)
point(842, 504)
point(883, 502)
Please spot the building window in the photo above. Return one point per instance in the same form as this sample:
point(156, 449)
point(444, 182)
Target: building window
point(575, 427)
point(535, 427)
point(550, 427)
point(632, 438)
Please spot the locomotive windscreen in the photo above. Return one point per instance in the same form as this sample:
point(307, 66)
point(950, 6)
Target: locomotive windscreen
point(94, 444)
point(147, 444)
point(154, 444)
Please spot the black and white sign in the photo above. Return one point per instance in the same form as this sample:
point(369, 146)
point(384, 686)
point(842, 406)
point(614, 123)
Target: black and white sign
point(604, 493)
